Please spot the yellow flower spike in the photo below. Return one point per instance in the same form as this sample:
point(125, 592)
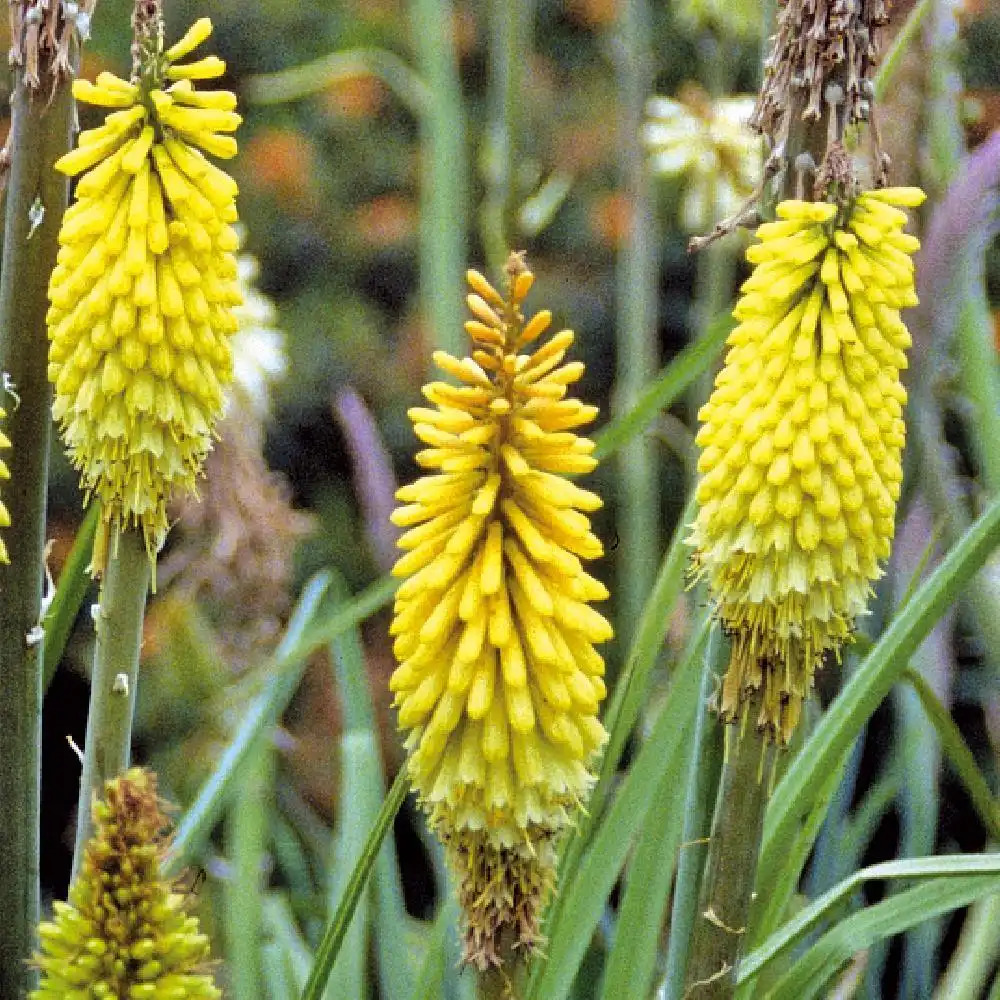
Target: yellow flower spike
point(124, 931)
point(499, 681)
point(801, 444)
point(141, 300)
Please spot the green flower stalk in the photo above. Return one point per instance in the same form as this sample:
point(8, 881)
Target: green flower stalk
point(143, 292)
point(124, 932)
point(499, 682)
point(4, 475)
point(802, 442)
point(802, 438)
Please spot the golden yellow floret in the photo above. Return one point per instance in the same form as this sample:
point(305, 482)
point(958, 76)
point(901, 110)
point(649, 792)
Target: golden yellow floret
point(801, 442)
point(124, 931)
point(499, 682)
point(4, 475)
point(142, 295)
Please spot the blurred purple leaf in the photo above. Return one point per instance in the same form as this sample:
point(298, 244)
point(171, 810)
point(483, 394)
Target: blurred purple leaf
point(374, 479)
point(960, 228)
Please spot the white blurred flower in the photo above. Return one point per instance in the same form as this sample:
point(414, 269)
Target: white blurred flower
point(706, 143)
point(259, 358)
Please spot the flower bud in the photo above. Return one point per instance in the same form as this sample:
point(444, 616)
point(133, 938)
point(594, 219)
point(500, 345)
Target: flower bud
point(124, 931)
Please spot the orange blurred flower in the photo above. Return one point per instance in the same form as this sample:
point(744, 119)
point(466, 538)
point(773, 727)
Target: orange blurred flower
point(611, 219)
point(280, 161)
point(594, 13)
point(354, 97)
point(386, 220)
point(582, 148)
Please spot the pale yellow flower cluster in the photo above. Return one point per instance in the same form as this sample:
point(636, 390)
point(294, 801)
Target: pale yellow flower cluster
point(802, 442)
point(143, 292)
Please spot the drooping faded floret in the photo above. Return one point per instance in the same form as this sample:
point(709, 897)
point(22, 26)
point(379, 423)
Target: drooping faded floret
point(144, 287)
point(499, 682)
point(802, 442)
point(124, 931)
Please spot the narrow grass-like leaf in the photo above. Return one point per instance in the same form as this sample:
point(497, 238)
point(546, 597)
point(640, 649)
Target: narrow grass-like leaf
point(630, 690)
point(631, 964)
point(864, 821)
point(362, 790)
point(582, 898)
point(901, 44)
point(246, 826)
point(319, 75)
point(828, 745)
point(917, 808)
point(74, 582)
point(975, 956)
point(941, 869)
point(291, 860)
point(430, 979)
point(340, 920)
point(810, 975)
point(699, 795)
point(274, 969)
point(674, 379)
point(304, 634)
point(444, 176)
point(769, 907)
point(959, 755)
point(280, 927)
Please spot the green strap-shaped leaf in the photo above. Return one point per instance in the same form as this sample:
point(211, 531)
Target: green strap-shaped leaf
point(978, 871)
point(827, 747)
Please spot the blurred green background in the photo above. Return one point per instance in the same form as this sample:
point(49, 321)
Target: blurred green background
point(337, 190)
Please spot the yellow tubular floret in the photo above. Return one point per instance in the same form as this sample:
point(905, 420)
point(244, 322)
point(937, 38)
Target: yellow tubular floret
point(801, 443)
point(142, 295)
point(498, 682)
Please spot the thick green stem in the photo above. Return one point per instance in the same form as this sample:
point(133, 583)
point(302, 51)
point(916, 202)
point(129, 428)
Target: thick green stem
point(731, 865)
point(36, 198)
point(443, 181)
point(118, 622)
point(503, 983)
point(638, 493)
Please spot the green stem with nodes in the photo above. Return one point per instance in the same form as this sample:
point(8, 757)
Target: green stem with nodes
point(36, 198)
point(118, 623)
point(731, 865)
